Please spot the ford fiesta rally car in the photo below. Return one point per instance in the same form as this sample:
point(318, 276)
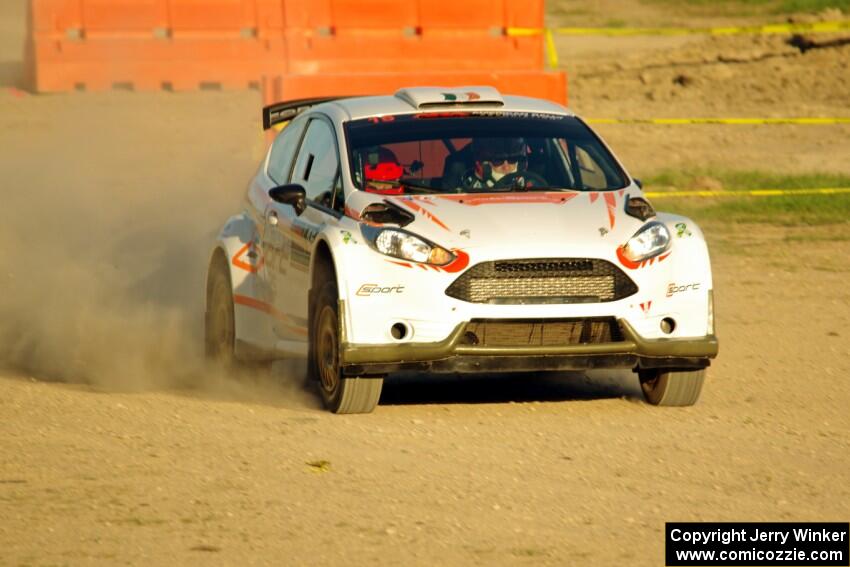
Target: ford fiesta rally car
point(455, 230)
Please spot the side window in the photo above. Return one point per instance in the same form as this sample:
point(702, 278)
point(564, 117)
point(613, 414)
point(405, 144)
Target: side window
point(283, 152)
point(317, 166)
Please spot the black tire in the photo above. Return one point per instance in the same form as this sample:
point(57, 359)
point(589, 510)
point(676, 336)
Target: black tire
point(340, 394)
point(669, 388)
point(219, 318)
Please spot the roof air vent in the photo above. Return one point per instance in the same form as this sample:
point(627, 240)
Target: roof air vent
point(425, 97)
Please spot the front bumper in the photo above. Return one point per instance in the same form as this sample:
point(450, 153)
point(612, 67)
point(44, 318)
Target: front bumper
point(455, 354)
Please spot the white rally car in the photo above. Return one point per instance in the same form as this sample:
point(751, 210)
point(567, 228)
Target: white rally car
point(455, 230)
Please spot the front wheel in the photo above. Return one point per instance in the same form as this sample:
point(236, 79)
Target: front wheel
point(341, 394)
point(669, 388)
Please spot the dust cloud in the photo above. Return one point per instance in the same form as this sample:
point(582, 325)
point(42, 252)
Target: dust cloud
point(107, 220)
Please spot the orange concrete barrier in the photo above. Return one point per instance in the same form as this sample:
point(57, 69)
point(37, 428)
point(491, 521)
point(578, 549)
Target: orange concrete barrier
point(305, 47)
point(357, 47)
point(153, 44)
point(392, 36)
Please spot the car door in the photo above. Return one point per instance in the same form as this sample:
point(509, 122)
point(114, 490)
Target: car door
point(275, 236)
point(316, 168)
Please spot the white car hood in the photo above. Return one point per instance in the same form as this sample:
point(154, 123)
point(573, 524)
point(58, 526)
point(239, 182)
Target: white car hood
point(562, 224)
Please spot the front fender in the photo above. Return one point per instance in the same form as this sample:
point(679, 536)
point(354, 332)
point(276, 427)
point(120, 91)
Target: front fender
point(677, 284)
point(343, 242)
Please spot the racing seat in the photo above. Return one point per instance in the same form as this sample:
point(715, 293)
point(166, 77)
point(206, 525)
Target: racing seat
point(455, 166)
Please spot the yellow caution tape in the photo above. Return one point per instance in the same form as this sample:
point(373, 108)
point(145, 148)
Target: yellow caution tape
point(752, 192)
point(551, 50)
point(817, 27)
point(733, 121)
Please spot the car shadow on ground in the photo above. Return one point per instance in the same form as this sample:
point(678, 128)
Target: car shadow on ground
point(529, 387)
point(285, 386)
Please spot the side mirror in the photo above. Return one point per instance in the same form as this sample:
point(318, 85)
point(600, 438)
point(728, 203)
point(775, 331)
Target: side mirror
point(638, 182)
point(290, 195)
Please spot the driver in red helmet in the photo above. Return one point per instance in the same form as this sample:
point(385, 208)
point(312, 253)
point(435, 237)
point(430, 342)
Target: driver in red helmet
point(382, 171)
point(497, 159)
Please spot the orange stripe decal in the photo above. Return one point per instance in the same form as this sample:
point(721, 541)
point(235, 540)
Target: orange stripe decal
point(425, 199)
point(611, 201)
point(555, 198)
point(253, 303)
point(269, 310)
point(410, 203)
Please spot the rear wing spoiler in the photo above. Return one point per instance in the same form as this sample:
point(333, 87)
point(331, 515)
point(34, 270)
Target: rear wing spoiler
point(286, 111)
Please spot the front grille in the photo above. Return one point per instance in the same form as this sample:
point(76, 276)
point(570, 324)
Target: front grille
point(539, 266)
point(555, 280)
point(554, 332)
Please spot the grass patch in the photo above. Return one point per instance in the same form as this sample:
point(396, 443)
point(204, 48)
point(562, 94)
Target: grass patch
point(783, 210)
point(805, 239)
point(730, 179)
point(790, 6)
point(756, 7)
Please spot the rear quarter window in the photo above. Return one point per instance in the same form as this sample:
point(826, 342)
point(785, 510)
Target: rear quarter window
point(283, 152)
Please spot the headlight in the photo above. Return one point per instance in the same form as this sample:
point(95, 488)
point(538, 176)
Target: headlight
point(402, 244)
point(649, 241)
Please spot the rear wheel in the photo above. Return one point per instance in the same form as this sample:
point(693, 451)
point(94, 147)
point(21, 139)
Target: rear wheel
point(219, 320)
point(341, 394)
point(671, 388)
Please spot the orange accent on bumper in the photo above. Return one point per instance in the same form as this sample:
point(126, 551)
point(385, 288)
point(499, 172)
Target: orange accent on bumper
point(632, 265)
point(460, 262)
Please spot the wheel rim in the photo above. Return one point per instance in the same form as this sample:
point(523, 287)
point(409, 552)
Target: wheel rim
point(326, 351)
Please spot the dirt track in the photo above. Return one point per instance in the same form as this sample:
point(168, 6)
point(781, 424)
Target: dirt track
point(117, 446)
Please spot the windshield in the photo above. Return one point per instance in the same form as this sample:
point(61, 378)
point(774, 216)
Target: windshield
point(465, 152)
